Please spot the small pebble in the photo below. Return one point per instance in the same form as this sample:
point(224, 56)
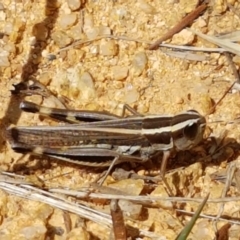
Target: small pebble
point(2, 16)
point(94, 49)
point(36, 231)
point(236, 59)
point(103, 30)
point(108, 48)
point(32, 40)
point(88, 27)
point(61, 39)
point(130, 209)
point(51, 57)
point(121, 13)
point(45, 78)
point(119, 72)
point(78, 233)
point(10, 48)
point(91, 32)
point(75, 32)
point(131, 96)
point(74, 4)
point(130, 186)
point(8, 28)
point(68, 20)
point(219, 6)
point(184, 37)
point(82, 84)
point(146, 7)
point(87, 79)
point(1, 7)
point(86, 85)
point(139, 63)
point(188, 6)
point(4, 61)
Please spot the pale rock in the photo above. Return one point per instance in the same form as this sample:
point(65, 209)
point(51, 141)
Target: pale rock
point(2, 16)
point(184, 37)
point(34, 232)
point(130, 209)
point(91, 32)
point(139, 63)
point(236, 59)
point(45, 53)
point(8, 28)
point(130, 186)
point(87, 86)
point(94, 49)
point(119, 72)
point(78, 233)
point(76, 31)
point(88, 27)
point(161, 192)
point(200, 23)
point(68, 20)
point(32, 40)
point(108, 48)
point(10, 48)
point(121, 13)
point(74, 4)
point(103, 30)
point(131, 96)
point(188, 6)
point(202, 230)
point(146, 7)
point(87, 80)
point(82, 84)
point(4, 61)
point(65, 8)
point(61, 39)
point(1, 7)
point(88, 21)
point(45, 78)
point(219, 6)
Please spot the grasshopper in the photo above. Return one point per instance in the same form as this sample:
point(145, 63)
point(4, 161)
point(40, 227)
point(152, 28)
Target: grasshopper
point(106, 138)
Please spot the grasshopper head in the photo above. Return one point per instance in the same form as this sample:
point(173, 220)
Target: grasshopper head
point(189, 132)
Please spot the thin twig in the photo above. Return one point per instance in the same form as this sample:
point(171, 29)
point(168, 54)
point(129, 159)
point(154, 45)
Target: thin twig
point(209, 216)
point(177, 28)
point(236, 76)
point(191, 48)
point(119, 228)
point(223, 96)
point(126, 38)
point(142, 199)
point(230, 173)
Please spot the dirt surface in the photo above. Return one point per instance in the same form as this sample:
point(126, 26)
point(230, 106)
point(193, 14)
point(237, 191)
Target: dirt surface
point(61, 44)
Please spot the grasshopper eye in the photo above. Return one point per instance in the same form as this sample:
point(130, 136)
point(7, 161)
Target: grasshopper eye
point(191, 131)
point(190, 134)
